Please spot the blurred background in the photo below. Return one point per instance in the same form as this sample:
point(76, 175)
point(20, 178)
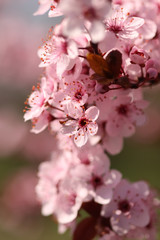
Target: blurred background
point(21, 152)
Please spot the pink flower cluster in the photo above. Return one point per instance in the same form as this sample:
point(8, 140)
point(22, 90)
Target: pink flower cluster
point(96, 63)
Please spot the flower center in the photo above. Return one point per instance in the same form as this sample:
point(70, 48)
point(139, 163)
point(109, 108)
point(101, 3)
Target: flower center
point(124, 206)
point(78, 95)
point(122, 109)
point(115, 25)
point(149, 226)
point(115, 28)
point(96, 181)
point(83, 122)
point(85, 161)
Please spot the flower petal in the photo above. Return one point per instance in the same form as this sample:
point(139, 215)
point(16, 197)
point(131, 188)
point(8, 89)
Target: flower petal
point(81, 138)
point(92, 128)
point(92, 113)
point(97, 31)
point(133, 23)
point(62, 64)
point(69, 127)
point(103, 195)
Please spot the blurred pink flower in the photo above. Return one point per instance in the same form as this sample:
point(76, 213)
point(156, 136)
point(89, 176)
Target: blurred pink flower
point(18, 45)
point(18, 205)
point(37, 147)
point(12, 132)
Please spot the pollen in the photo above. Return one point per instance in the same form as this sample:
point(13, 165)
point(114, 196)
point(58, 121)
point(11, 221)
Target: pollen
point(33, 88)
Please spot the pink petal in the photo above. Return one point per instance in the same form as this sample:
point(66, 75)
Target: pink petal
point(92, 128)
point(122, 189)
point(55, 11)
point(109, 42)
point(140, 215)
point(128, 129)
point(66, 213)
point(97, 31)
point(62, 64)
point(120, 126)
point(148, 30)
point(48, 208)
point(113, 145)
point(142, 188)
point(69, 128)
point(41, 123)
point(114, 177)
point(128, 34)
point(103, 195)
point(92, 113)
point(33, 113)
point(73, 110)
point(72, 27)
point(81, 138)
point(120, 224)
point(133, 23)
point(72, 49)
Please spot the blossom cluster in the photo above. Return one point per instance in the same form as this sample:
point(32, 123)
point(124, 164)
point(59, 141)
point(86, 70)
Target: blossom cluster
point(96, 63)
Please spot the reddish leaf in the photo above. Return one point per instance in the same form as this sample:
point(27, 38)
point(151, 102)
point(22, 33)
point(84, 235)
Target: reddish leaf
point(85, 229)
point(92, 208)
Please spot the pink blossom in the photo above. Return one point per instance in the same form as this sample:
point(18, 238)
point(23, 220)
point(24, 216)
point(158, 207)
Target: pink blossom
point(93, 172)
point(128, 207)
point(74, 91)
point(85, 14)
point(17, 207)
point(90, 99)
point(38, 101)
point(149, 232)
point(152, 67)
point(60, 194)
point(81, 124)
point(45, 5)
point(40, 123)
point(138, 56)
point(58, 51)
point(122, 25)
point(50, 173)
point(148, 30)
point(100, 181)
point(113, 145)
point(124, 115)
point(70, 200)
